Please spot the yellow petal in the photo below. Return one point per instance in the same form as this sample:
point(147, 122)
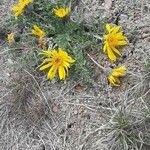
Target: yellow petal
point(70, 60)
point(61, 12)
point(122, 43)
point(61, 51)
point(45, 66)
point(116, 51)
point(121, 69)
point(35, 27)
point(111, 55)
point(65, 55)
point(54, 53)
point(113, 81)
point(47, 60)
point(66, 69)
point(37, 31)
point(14, 8)
point(119, 72)
point(67, 10)
point(52, 72)
point(66, 64)
point(120, 36)
point(47, 53)
point(62, 73)
point(104, 48)
point(34, 32)
point(108, 27)
point(115, 29)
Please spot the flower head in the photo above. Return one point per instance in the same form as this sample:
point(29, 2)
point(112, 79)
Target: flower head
point(114, 76)
point(19, 8)
point(57, 61)
point(113, 39)
point(61, 12)
point(38, 32)
point(10, 38)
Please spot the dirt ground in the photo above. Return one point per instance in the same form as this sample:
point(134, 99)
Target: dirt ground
point(46, 115)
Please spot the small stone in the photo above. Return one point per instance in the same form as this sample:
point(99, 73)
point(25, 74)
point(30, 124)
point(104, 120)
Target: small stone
point(10, 61)
point(123, 17)
point(77, 100)
point(103, 4)
point(8, 74)
point(55, 109)
point(75, 112)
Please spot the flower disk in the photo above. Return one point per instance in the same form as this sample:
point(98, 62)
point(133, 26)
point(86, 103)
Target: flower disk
point(113, 39)
point(61, 12)
point(58, 61)
point(113, 78)
point(19, 8)
point(38, 32)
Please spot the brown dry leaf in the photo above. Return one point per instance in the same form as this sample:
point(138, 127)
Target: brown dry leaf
point(108, 4)
point(79, 87)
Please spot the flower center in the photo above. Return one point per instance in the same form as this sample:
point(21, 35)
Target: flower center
point(58, 61)
point(111, 40)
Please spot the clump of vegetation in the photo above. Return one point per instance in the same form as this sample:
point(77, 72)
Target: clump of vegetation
point(56, 30)
point(76, 38)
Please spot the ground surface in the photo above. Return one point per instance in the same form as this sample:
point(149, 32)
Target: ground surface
point(36, 114)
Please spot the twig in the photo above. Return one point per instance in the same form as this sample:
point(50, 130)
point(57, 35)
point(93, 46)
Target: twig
point(39, 16)
point(106, 70)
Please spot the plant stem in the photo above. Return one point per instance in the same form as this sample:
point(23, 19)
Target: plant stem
point(106, 70)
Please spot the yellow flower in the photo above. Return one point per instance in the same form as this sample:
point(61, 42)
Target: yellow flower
point(38, 32)
point(114, 76)
point(113, 39)
point(58, 61)
point(10, 38)
point(19, 8)
point(61, 12)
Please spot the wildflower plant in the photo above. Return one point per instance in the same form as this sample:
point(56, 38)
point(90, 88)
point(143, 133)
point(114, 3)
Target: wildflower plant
point(74, 38)
point(53, 22)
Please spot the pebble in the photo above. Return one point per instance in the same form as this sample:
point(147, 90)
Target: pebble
point(55, 109)
point(10, 61)
point(75, 112)
point(123, 18)
point(8, 74)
